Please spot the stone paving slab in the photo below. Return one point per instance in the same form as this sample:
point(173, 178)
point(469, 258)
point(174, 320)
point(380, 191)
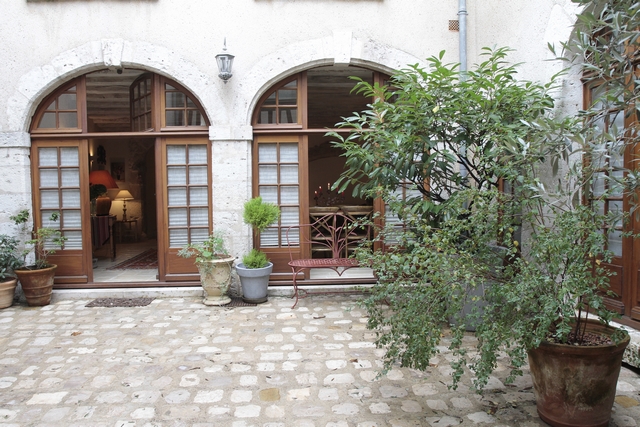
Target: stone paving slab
point(177, 362)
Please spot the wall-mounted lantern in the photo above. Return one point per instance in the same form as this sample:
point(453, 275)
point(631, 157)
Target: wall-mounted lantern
point(225, 62)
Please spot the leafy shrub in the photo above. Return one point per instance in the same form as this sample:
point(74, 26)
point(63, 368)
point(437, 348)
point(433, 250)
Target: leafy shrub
point(255, 259)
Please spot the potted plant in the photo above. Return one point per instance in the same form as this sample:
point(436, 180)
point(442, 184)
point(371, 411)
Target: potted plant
point(214, 265)
point(538, 310)
point(255, 268)
point(37, 279)
point(9, 261)
point(545, 214)
point(100, 202)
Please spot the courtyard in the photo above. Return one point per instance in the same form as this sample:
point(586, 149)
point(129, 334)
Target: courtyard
point(176, 362)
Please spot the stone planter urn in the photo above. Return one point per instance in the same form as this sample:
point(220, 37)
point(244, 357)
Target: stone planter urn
point(215, 278)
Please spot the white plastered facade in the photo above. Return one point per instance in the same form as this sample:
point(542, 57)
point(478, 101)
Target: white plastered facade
point(380, 34)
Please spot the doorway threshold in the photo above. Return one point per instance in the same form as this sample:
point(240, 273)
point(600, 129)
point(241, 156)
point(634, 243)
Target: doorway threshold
point(150, 292)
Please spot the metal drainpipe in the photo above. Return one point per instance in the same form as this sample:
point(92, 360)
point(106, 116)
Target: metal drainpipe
point(462, 28)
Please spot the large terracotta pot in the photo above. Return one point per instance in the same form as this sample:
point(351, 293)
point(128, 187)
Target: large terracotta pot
point(37, 285)
point(576, 385)
point(215, 278)
point(7, 292)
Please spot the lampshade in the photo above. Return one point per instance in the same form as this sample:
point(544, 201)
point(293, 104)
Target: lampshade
point(124, 195)
point(102, 177)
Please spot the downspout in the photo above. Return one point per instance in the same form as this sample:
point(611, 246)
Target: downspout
point(462, 28)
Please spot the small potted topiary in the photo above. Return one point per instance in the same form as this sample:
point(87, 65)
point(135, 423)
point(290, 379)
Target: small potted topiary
point(214, 264)
point(255, 268)
point(9, 261)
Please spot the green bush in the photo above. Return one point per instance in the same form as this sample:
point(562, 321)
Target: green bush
point(9, 259)
point(44, 241)
point(260, 215)
point(427, 124)
point(255, 259)
point(212, 248)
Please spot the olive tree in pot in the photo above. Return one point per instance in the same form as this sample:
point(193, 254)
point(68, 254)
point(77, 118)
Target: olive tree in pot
point(555, 274)
point(9, 261)
point(214, 265)
point(255, 268)
point(539, 307)
point(37, 279)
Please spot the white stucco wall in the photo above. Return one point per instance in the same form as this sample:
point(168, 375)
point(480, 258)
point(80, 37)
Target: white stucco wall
point(45, 43)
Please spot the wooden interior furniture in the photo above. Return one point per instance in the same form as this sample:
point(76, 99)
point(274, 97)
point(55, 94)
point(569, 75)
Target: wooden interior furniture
point(331, 235)
point(102, 233)
point(127, 229)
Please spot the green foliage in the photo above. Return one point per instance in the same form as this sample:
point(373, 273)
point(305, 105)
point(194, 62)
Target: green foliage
point(9, 259)
point(96, 191)
point(255, 259)
point(425, 285)
point(44, 241)
point(537, 284)
point(212, 248)
point(437, 132)
point(260, 215)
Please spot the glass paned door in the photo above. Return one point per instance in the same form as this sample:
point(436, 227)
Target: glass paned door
point(185, 181)
point(277, 179)
point(57, 189)
point(609, 157)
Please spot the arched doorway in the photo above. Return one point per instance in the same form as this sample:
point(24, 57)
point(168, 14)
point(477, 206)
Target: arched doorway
point(294, 163)
point(149, 135)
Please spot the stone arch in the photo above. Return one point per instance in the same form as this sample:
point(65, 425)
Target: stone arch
point(340, 48)
point(35, 85)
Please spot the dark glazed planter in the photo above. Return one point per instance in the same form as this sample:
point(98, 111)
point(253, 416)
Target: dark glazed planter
point(575, 386)
point(37, 285)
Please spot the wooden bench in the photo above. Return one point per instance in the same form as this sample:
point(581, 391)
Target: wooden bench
point(331, 238)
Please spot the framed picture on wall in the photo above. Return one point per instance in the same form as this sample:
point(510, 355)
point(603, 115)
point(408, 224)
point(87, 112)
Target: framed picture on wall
point(117, 170)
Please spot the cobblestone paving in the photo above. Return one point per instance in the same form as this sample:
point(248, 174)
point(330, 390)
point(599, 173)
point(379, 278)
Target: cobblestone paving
point(177, 362)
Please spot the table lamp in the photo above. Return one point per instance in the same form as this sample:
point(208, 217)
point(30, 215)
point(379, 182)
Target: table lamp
point(124, 195)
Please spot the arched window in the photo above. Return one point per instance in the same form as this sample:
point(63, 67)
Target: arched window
point(60, 112)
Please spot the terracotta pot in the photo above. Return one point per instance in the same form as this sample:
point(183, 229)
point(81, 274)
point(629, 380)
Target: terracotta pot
point(7, 292)
point(576, 385)
point(215, 278)
point(37, 285)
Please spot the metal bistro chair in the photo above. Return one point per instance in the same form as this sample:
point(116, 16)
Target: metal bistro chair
point(333, 236)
